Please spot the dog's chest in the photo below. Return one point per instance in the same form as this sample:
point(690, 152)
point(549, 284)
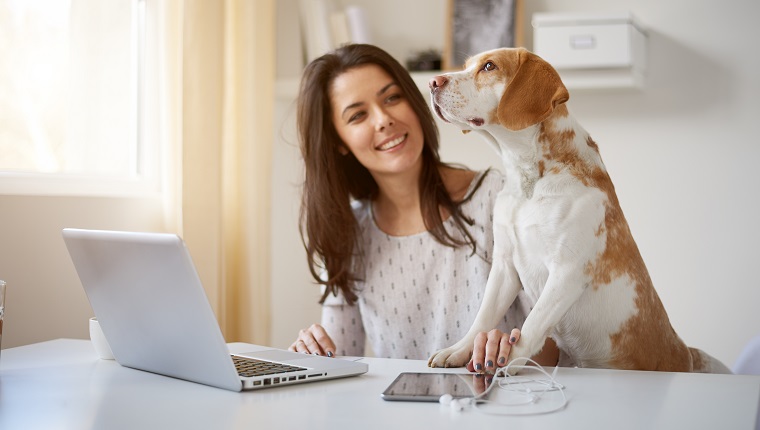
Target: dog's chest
point(558, 224)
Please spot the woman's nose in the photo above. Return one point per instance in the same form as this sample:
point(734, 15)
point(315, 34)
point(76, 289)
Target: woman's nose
point(384, 119)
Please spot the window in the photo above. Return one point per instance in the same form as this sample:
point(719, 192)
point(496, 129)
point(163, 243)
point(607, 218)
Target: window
point(71, 99)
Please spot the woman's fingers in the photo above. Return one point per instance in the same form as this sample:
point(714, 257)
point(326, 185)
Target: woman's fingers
point(309, 342)
point(514, 336)
point(323, 340)
point(303, 341)
point(491, 350)
point(314, 340)
point(478, 353)
point(506, 346)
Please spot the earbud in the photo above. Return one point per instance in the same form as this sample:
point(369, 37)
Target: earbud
point(457, 405)
point(454, 404)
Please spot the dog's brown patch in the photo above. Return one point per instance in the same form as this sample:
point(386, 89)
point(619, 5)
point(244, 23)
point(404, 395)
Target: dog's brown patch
point(558, 147)
point(590, 142)
point(647, 340)
point(600, 231)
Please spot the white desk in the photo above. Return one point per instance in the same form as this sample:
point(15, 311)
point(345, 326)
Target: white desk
point(61, 384)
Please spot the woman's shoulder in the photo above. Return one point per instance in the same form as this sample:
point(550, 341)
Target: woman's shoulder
point(485, 184)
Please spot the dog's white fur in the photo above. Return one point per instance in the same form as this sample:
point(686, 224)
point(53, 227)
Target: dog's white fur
point(559, 231)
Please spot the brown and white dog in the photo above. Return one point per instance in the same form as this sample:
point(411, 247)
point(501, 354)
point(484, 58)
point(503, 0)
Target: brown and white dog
point(559, 231)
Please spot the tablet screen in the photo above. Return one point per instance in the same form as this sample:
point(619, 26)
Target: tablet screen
point(429, 387)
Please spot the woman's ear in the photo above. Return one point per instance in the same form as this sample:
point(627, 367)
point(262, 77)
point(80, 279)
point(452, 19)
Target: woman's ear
point(342, 149)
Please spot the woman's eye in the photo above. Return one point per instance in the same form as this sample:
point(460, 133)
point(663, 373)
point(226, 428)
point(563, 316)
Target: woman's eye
point(356, 117)
point(489, 66)
point(393, 98)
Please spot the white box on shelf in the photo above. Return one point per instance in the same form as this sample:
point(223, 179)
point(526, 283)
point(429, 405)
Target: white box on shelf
point(592, 50)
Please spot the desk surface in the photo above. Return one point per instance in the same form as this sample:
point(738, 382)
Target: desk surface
point(61, 384)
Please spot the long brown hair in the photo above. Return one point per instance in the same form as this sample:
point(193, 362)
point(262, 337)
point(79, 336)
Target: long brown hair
point(328, 227)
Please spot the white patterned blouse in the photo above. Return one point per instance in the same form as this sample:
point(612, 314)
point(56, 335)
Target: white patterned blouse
point(417, 295)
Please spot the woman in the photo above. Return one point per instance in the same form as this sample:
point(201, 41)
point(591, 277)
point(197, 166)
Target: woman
point(400, 240)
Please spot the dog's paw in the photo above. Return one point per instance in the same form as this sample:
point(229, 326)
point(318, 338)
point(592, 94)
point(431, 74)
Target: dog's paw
point(450, 357)
point(518, 356)
point(515, 365)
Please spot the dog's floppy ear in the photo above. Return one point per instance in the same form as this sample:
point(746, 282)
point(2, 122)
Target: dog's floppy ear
point(532, 94)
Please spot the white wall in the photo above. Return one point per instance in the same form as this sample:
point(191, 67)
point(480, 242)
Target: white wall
point(681, 153)
point(45, 299)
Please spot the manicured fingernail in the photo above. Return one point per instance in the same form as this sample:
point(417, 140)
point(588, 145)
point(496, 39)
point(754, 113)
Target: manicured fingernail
point(330, 353)
point(478, 367)
point(316, 353)
point(489, 363)
point(513, 339)
point(502, 360)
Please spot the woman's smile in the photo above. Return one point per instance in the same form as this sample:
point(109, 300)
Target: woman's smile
point(392, 143)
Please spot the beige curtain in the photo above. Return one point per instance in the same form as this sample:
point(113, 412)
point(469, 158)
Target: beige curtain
point(219, 71)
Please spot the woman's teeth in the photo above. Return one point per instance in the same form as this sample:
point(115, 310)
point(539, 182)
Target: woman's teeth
point(392, 143)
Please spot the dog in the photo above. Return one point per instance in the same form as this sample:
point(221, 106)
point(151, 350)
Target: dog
point(559, 232)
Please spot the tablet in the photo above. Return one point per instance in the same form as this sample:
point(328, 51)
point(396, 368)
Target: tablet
point(429, 387)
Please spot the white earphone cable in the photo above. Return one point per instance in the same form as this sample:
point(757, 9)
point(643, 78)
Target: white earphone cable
point(520, 385)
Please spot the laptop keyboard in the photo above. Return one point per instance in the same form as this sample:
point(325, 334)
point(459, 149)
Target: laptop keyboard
point(249, 367)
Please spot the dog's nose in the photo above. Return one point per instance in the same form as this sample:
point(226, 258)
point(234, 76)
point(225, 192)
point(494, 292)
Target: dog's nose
point(438, 82)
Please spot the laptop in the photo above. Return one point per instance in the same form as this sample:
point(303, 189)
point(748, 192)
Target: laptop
point(148, 298)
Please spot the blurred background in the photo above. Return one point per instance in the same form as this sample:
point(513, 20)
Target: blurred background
point(179, 117)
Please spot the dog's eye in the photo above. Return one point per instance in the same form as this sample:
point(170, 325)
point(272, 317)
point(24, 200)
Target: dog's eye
point(489, 66)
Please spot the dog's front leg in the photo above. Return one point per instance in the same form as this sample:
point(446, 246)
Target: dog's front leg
point(562, 290)
point(501, 289)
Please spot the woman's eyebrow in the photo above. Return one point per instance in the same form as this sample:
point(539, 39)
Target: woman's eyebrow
point(357, 104)
point(349, 107)
point(385, 88)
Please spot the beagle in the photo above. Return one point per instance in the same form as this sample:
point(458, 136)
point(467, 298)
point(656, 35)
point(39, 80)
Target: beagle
point(559, 231)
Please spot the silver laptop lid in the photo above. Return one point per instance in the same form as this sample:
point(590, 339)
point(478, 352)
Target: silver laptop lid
point(151, 304)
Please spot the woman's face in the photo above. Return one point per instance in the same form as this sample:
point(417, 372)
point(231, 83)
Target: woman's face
point(376, 121)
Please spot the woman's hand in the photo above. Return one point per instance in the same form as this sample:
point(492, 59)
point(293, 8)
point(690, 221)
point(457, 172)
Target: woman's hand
point(491, 350)
point(314, 340)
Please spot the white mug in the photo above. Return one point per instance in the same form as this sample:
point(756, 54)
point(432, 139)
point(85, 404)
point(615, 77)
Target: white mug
point(99, 340)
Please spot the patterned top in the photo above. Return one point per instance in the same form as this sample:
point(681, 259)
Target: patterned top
point(417, 295)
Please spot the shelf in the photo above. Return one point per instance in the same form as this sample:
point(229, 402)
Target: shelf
point(601, 79)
